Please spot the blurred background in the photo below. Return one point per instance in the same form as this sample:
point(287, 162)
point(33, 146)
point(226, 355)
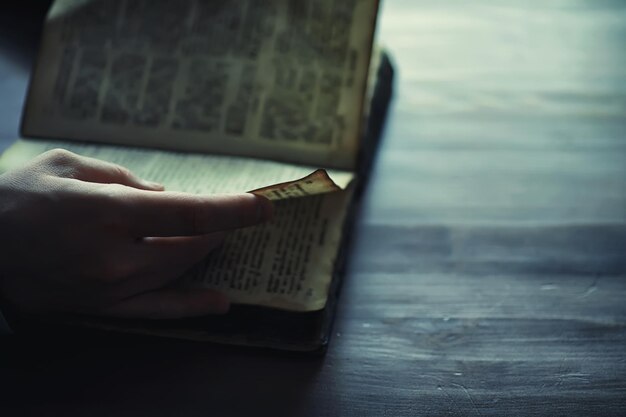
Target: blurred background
point(504, 110)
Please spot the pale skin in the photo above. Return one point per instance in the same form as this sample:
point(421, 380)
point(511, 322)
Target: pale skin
point(84, 235)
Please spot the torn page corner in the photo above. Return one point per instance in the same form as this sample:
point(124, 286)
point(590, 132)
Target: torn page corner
point(318, 182)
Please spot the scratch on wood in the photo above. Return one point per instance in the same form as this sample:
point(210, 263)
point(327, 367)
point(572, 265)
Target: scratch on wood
point(469, 396)
point(591, 289)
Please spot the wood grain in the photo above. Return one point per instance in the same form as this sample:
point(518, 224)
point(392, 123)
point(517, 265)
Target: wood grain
point(489, 271)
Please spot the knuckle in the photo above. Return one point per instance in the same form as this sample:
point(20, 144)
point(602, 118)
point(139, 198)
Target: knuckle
point(60, 156)
point(62, 162)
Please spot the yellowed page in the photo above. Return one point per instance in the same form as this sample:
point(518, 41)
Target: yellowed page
point(278, 79)
point(287, 263)
point(318, 182)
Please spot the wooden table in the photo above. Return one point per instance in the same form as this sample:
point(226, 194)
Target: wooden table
point(489, 271)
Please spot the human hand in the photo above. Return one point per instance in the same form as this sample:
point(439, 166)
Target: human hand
point(82, 235)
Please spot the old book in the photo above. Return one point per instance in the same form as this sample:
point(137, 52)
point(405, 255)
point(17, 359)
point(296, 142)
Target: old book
point(283, 98)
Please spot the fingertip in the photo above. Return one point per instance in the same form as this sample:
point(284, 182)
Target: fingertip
point(152, 186)
point(135, 181)
point(157, 186)
point(264, 208)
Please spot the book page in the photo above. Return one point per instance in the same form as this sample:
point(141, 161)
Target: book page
point(278, 79)
point(196, 173)
point(318, 182)
point(287, 263)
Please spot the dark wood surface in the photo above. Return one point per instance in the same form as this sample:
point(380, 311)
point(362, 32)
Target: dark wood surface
point(489, 271)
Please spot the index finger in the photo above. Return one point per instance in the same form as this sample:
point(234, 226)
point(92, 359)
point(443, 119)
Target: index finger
point(180, 214)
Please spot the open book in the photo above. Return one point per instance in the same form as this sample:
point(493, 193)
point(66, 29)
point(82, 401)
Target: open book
point(209, 96)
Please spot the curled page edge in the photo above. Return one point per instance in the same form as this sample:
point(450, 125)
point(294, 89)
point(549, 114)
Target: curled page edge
point(318, 182)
